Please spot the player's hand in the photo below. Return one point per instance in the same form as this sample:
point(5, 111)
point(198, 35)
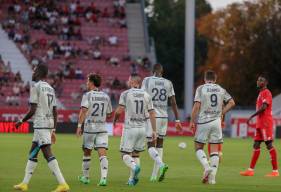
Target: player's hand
point(248, 121)
point(154, 136)
point(18, 124)
point(78, 132)
point(53, 137)
point(178, 126)
point(192, 127)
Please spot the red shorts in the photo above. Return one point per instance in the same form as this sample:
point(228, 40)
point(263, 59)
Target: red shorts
point(263, 135)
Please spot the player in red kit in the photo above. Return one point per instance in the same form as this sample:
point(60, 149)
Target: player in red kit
point(264, 128)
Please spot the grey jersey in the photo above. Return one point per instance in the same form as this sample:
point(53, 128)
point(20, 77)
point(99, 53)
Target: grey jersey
point(137, 104)
point(212, 97)
point(160, 89)
point(42, 94)
point(98, 105)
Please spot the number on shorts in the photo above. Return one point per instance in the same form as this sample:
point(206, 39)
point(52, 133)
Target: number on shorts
point(214, 100)
point(96, 107)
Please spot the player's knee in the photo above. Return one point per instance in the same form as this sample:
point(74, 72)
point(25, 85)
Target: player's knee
point(159, 143)
point(269, 145)
point(87, 152)
point(150, 144)
point(135, 155)
point(34, 159)
point(256, 145)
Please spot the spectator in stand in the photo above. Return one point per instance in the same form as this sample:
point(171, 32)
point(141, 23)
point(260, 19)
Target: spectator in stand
point(112, 40)
point(50, 53)
point(114, 61)
point(105, 13)
point(97, 54)
point(133, 68)
point(123, 23)
point(116, 84)
point(79, 73)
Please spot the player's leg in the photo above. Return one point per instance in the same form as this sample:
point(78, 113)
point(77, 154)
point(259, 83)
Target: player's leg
point(255, 154)
point(88, 145)
point(215, 140)
point(274, 162)
point(200, 139)
point(45, 143)
point(30, 168)
point(161, 125)
point(101, 145)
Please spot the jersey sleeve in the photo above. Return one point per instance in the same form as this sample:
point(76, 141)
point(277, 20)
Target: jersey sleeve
point(85, 101)
point(149, 102)
point(109, 107)
point(143, 84)
point(34, 96)
point(122, 100)
point(266, 97)
point(227, 96)
point(171, 90)
point(198, 95)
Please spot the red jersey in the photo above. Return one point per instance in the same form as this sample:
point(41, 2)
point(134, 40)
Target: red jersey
point(264, 119)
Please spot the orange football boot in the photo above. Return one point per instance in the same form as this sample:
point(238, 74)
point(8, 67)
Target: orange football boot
point(247, 173)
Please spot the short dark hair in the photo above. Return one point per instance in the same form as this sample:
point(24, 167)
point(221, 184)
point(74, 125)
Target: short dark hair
point(264, 75)
point(157, 68)
point(42, 70)
point(210, 75)
point(95, 79)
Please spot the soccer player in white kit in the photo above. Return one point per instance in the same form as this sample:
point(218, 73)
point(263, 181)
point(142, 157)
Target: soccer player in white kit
point(95, 108)
point(208, 110)
point(44, 113)
point(137, 104)
point(161, 91)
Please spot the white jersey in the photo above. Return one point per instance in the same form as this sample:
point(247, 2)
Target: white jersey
point(160, 89)
point(98, 105)
point(137, 104)
point(212, 98)
point(42, 94)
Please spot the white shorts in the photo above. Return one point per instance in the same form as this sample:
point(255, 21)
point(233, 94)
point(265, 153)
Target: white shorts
point(209, 132)
point(161, 128)
point(95, 140)
point(42, 136)
point(132, 140)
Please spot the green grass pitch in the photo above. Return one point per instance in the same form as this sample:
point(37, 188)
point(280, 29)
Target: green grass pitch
point(184, 172)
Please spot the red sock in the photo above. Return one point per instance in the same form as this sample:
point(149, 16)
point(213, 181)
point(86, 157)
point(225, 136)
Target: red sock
point(255, 157)
point(273, 156)
point(209, 149)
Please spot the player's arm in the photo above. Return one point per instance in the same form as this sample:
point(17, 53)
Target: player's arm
point(55, 115)
point(118, 112)
point(230, 104)
point(194, 113)
point(173, 103)
point(81, 119)
point(30, 113)
point(153, 123)
point(259, 111)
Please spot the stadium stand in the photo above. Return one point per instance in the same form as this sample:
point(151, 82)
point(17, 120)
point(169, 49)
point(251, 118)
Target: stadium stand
point(73, 38)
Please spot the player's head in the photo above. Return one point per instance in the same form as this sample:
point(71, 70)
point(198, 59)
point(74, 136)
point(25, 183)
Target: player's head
point(262, 81)
point(134, 81)
point(94, 81)
point(39, 72)
point(158, 69)
point(210, 76)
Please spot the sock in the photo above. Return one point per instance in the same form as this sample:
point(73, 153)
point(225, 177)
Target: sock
point(255, 157)
point(201, 156)
point(103, 167)
point(129, 161)
point(156, 167)
point(86, 163)
point(155, 156)
point(137, 160)
point(273, 156)
point(214, 163)
point(54, 166)
point(29, 169)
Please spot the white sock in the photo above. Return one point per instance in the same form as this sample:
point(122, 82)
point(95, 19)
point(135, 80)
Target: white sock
point(137, 161)
point(86, 164)
point(155, 156)
point(156, 167)
point(214, 163)
point(103, 167)
point(54, 166)
point(129, 161)
point(201, 156)
point(29, 169)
